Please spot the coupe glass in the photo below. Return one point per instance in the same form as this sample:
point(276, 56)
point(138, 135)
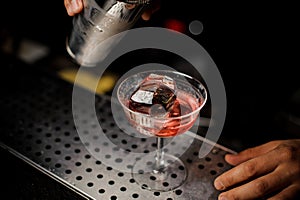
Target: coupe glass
point(162, 172)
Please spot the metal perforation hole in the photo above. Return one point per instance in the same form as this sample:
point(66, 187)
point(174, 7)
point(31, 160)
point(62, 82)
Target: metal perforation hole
point(123, 189)
point(213, 172)
point(57, 152)
point(95, 137)
point(67, 133)
point(90, 184)
point(116, 149)
point(88, 170)
point(156, 194)
point(38, 141)
point(208, 159)
point(57, 165)
point(99, 176)
point(174, 175)
point(111, 182)
point(200, 166)
point(178, 192)
point(131, 180)
point(112, 124)
point(105, 144)
point(39, 130)
point(220, 164)
point(135, 195)
point(98, 162)
point(79, 178)
point(76, 139)
point(48, 135)
point(118, 160)
point(38, 153)
point(101, 191)
point(68, 158)
point(109, 168)
point(120, 174)
point(165, 184)
point(113, 197)
point(77, 150)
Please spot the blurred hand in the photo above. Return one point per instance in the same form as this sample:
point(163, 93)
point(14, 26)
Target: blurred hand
point(74, 7)
point(271, 170)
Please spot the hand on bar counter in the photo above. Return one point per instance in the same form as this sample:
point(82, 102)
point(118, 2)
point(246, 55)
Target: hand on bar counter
point(270, 171)
point(74, 7)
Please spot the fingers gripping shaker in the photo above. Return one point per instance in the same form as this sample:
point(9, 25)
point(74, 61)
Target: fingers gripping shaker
point(99, 20)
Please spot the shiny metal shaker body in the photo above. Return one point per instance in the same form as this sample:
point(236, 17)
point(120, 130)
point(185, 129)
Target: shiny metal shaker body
point(99, 20)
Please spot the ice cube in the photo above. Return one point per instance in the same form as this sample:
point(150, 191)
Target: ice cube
point(154, 96)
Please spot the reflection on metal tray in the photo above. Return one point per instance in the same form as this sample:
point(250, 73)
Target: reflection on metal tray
point(38, 127)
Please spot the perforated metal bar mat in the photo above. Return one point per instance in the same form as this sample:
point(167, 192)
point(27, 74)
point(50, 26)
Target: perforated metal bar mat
point(37, 125)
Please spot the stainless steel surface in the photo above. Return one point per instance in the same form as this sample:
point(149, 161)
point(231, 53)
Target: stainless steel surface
point(38, 127)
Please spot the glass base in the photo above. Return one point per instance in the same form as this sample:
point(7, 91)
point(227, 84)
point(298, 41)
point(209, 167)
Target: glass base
point(170, 175)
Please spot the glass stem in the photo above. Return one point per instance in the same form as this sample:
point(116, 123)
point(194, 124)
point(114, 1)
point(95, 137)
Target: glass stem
point(159, 153)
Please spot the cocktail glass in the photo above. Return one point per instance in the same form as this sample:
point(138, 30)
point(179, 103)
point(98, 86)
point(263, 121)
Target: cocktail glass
point(163, 172)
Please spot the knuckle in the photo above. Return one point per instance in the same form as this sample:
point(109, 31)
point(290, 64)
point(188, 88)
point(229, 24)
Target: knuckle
point(261, 187)
point(249, 169)
point(287, 152)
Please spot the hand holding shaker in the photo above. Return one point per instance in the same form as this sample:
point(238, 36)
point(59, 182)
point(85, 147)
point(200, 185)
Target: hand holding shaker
point(99, 20)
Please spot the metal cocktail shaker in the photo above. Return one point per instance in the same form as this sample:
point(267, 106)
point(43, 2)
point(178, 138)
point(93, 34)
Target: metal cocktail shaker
point(99, 20)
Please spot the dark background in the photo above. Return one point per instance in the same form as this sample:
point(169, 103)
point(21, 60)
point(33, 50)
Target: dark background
point(255, 46)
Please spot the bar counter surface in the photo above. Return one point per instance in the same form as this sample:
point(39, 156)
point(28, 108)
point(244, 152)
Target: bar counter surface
point(44, 157)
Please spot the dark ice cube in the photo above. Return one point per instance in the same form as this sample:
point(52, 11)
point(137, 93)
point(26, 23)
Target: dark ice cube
point(154, 96)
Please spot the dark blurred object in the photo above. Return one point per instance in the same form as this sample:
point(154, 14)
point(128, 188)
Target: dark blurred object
point(44, 22)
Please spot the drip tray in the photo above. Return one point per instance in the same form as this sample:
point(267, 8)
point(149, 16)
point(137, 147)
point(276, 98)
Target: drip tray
point(38, 127)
